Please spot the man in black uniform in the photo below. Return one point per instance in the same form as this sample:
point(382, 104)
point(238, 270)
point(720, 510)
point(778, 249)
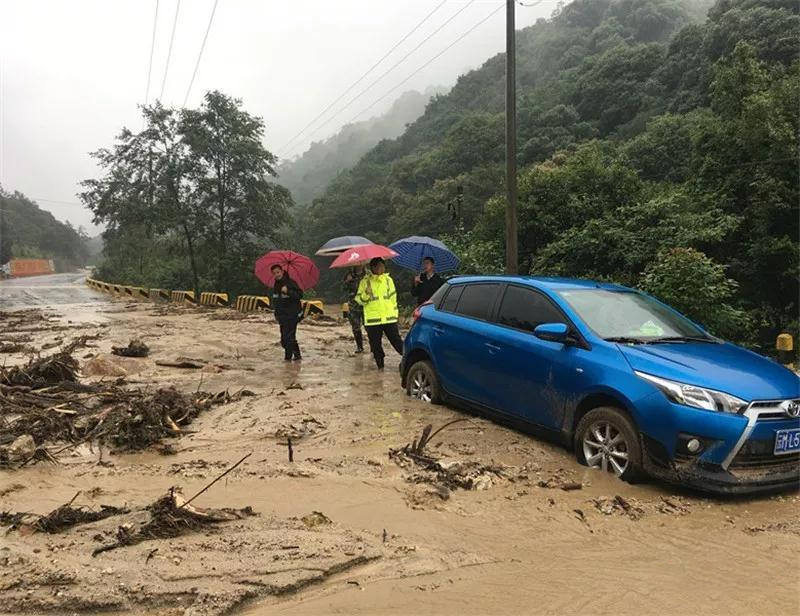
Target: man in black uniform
point(288, 310)
point(427, 283)
point(355, 312)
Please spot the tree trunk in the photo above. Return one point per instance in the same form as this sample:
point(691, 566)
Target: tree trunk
point(223, 239)
point(190, 246)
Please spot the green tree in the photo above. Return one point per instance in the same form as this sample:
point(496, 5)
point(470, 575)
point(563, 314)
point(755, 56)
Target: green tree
point(694, 284)
point(231, 167)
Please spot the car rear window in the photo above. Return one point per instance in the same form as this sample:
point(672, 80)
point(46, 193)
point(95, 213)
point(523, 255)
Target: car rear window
point(526, 309)
point(477, 300)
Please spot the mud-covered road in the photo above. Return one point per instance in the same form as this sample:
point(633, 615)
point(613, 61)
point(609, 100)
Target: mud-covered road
point(492, 530)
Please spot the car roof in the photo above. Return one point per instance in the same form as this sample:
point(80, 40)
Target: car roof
point(552, 283)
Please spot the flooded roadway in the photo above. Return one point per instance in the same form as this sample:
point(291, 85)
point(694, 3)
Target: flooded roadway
point(65, 293)
point(523, 545)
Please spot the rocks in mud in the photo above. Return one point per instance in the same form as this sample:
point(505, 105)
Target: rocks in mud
point(307, 426)
point(315, 518)
point(135, 348)
point(619, 505)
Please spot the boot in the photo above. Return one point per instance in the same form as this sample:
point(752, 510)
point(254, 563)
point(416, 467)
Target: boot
point(359, 341)
point(297, 356)
point(379, 362)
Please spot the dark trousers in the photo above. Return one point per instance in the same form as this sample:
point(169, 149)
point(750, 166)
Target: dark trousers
point(375, 335)
point(289, 337)
point(356, 318)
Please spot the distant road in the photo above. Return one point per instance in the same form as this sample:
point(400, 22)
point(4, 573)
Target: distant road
point(47, 291)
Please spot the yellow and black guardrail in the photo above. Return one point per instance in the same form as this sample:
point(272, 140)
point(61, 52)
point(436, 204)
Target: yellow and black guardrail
point(160, 295)
point(312, 307)
point(243, 303)
point(251, 303)
point(182, 297)
point(207, 298)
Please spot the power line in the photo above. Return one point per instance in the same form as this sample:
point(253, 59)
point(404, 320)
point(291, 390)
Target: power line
point(169, 53)
point(394, 66)
point(375, 102)
point(200, 55)
point(367, 72)
point(152, 49)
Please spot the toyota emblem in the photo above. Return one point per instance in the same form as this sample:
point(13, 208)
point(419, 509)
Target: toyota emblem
point(792, 408)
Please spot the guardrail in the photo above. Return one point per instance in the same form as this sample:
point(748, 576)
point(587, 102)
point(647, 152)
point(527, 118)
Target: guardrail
point(244, 303)
point(251, 303)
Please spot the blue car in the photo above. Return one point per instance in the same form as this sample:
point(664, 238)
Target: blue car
point(633, 386)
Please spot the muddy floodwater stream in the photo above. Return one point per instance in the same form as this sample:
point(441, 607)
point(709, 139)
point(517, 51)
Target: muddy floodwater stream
point(508, 524)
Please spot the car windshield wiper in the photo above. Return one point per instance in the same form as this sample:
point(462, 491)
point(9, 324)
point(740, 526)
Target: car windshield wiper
point(684, 339)
point(626, 340)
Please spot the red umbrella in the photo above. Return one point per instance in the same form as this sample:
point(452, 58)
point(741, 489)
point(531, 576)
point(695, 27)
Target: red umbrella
point(300, 268)
point(362, 254)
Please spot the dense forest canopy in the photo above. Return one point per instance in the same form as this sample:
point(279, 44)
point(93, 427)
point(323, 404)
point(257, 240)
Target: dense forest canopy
point(308, 175)
point(649, 141)
point(27, 231)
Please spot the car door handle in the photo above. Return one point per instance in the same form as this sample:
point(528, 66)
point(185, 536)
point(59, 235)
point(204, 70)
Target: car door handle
point(493, 348)
point(438, 330)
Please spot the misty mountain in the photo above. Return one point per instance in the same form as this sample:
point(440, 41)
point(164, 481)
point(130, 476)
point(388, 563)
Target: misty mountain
point(27, 231)
point(308, 175)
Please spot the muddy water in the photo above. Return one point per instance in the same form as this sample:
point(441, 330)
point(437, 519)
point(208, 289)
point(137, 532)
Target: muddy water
point(515, 548)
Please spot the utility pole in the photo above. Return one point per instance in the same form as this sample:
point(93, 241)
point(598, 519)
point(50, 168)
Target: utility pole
point(511, 142)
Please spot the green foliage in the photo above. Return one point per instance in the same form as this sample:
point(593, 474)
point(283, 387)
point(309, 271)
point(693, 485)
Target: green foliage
point(694, 284)
point(26, 231)
point(641, 131)
point(187, 201)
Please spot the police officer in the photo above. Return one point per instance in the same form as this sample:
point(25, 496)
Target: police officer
point(355, 312)
point(378, 296)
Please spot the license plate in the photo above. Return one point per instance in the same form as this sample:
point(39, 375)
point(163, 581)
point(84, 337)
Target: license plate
point(787, 441)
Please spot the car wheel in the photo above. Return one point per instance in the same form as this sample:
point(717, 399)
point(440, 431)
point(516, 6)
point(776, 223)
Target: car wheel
point(423, 384)
point(606, 439)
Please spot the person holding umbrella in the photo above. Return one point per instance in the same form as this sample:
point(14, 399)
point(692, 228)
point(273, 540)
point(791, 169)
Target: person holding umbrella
point(355, 312)
point(286, 296)
point(288, 274)
point(426, 283)
point(377, 294)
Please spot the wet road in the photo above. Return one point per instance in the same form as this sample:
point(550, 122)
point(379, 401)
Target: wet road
point(67, 292)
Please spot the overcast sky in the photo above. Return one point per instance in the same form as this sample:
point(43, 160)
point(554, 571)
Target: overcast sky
point(73, 71)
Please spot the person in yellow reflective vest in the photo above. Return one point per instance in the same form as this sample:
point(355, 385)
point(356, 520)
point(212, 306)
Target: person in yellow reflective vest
point(377, 294)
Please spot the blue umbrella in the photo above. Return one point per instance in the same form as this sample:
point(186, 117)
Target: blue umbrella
point(338, 245)
point(414, 249)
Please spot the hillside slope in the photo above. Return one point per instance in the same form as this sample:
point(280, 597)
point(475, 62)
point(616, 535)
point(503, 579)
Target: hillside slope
point(28, 231)
point(641, 132)
point(308, 175)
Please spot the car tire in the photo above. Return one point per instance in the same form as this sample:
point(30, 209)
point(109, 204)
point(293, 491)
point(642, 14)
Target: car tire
point(422, 383)
point(607, 439)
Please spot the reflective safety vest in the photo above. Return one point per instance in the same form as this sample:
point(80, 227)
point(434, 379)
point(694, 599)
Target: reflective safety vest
point(379, 297)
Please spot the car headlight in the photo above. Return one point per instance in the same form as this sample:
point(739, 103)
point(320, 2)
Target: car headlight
point(697, 397)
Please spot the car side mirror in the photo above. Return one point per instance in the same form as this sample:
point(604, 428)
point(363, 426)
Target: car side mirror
point(553, 332)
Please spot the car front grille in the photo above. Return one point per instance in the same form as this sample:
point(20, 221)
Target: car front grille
point(770, 410)
point(758, 454)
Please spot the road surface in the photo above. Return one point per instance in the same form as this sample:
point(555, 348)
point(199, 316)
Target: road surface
point(37, 291)
point(67, 292)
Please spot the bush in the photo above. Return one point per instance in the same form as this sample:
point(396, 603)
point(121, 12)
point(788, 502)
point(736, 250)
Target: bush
point(694, 284)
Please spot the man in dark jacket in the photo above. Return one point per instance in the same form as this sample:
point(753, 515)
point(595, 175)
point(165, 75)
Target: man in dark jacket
point(355, 312)
point(427, 283)
point(288, 310)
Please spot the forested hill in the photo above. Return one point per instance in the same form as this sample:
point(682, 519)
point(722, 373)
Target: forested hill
point(654, 149)
point(28, 231)
point(307, 176)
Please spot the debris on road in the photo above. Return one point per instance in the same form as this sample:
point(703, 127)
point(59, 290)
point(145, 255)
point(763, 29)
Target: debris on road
point(135, 348)
point(62, 518)
point(44, 401)
point(619, 505)
point(316, 518)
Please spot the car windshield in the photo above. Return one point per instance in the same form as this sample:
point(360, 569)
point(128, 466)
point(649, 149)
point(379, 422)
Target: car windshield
point(629, 316)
